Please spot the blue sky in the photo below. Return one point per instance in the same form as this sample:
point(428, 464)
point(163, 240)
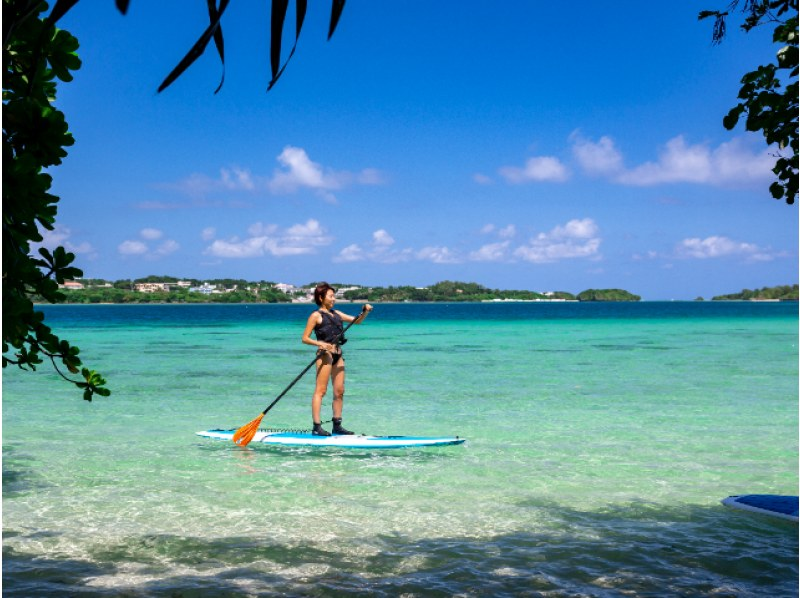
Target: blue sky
point(516, 144)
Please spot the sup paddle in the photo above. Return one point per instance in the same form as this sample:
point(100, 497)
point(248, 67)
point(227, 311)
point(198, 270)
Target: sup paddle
point(245, 434)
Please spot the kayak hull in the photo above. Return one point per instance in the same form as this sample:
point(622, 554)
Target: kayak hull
point(355, 441)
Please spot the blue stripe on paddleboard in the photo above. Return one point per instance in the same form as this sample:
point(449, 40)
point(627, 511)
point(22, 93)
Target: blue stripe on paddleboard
point(289, 438)
point(785, 507)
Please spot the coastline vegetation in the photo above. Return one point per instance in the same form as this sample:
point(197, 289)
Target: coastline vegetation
point(167, 289)
point(779, 293)
point(229, 290)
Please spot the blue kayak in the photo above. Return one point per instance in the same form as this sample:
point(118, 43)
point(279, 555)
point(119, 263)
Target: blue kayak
point(356, 441)
point(784, 507)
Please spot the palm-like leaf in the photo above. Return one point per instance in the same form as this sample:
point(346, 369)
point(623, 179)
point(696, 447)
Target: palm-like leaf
point(198, 48)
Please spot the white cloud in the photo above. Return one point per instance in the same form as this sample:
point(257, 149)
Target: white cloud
point(492, 252)
point(299, 171)
point(576, 239)
point(481, 179)
point(495, 252)
point(382, 238)
point(437, 255)
point(719, 246)
point(208, 233)
point(296, 171)
point(299, 239)
point(678, 162)
point(508, 232)
point(237, 179)
point(379, 251)
point(132, 248)
point(167, 247)
point(543, 168)
point(596, 158)
point(151, 234)
point(60, 236)
point(253, 247)
point(351, 253)
point(142, 248)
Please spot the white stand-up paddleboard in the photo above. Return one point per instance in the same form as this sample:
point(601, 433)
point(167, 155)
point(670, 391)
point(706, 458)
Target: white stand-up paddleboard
point(279, 438)
point(784, 507)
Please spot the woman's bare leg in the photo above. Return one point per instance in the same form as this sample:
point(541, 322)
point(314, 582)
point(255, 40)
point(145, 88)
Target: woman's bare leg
point(337, 372)
point(323, 375)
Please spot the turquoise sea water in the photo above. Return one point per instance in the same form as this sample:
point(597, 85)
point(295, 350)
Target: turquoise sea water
point(601, 438)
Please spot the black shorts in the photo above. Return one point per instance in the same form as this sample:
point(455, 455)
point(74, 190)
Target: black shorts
point(336, 356)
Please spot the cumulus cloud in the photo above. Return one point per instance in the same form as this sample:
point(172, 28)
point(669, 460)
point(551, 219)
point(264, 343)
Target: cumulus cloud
point(351, 253)
point(382, 238)
point(62, 236)
point(576, 239)
point(678, 162)
point(142, 245)
point(132, 248)
point(299, 171)
point(508, 232)
point(542, 168)
point(720, 246)
point(299, 239)
point(497, 251)
point(236, 178)
point(600, 157)
point(151, 234)
point(167, 247)
point(437, 255)
point(296, 171)
point(491, 252)
point(208, 233)
point(381, 250)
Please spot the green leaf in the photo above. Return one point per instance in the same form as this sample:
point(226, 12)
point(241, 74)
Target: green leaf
point(219, 41)
point(337, 6)
point(730, 120)
point(196, 51)
point(300, 8)
point(60, 8)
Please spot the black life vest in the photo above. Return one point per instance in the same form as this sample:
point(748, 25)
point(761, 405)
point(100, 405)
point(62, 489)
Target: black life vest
point(330, 329)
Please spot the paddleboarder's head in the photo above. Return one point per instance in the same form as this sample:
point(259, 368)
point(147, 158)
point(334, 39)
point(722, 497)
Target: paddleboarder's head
point(321, 292)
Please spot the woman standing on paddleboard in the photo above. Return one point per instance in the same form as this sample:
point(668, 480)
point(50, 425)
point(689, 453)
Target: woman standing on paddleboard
point(327, 325)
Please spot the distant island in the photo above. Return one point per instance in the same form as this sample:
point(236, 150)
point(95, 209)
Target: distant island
point(780, 293)
point(167, 289)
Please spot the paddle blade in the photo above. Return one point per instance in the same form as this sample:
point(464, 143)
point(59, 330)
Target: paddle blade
point(245, 434)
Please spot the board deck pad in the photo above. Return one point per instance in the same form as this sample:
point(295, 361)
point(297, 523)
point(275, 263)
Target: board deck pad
point(284, 438)
point(776, 505)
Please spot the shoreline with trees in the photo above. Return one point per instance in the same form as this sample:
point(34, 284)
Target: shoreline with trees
point(166, 289)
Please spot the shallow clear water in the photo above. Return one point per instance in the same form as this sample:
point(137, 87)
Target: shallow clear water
point(601, 439)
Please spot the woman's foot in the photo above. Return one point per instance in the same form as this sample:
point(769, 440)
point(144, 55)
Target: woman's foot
point(319, 430)
point(337, 426)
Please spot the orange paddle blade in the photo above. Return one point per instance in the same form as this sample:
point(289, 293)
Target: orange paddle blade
point(245, 434)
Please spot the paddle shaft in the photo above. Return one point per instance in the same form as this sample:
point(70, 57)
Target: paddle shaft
point(308, 367)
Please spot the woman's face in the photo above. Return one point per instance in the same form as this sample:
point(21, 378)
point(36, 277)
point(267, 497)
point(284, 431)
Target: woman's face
point(330, 299)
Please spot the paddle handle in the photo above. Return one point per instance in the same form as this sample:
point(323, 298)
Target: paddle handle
point(313, 361)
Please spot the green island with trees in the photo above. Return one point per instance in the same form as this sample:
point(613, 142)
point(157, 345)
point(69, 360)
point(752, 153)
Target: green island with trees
point(779, 293)
point(168, 289)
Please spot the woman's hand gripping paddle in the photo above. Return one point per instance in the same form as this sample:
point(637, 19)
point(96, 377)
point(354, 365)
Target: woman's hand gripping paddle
point(245, 434)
